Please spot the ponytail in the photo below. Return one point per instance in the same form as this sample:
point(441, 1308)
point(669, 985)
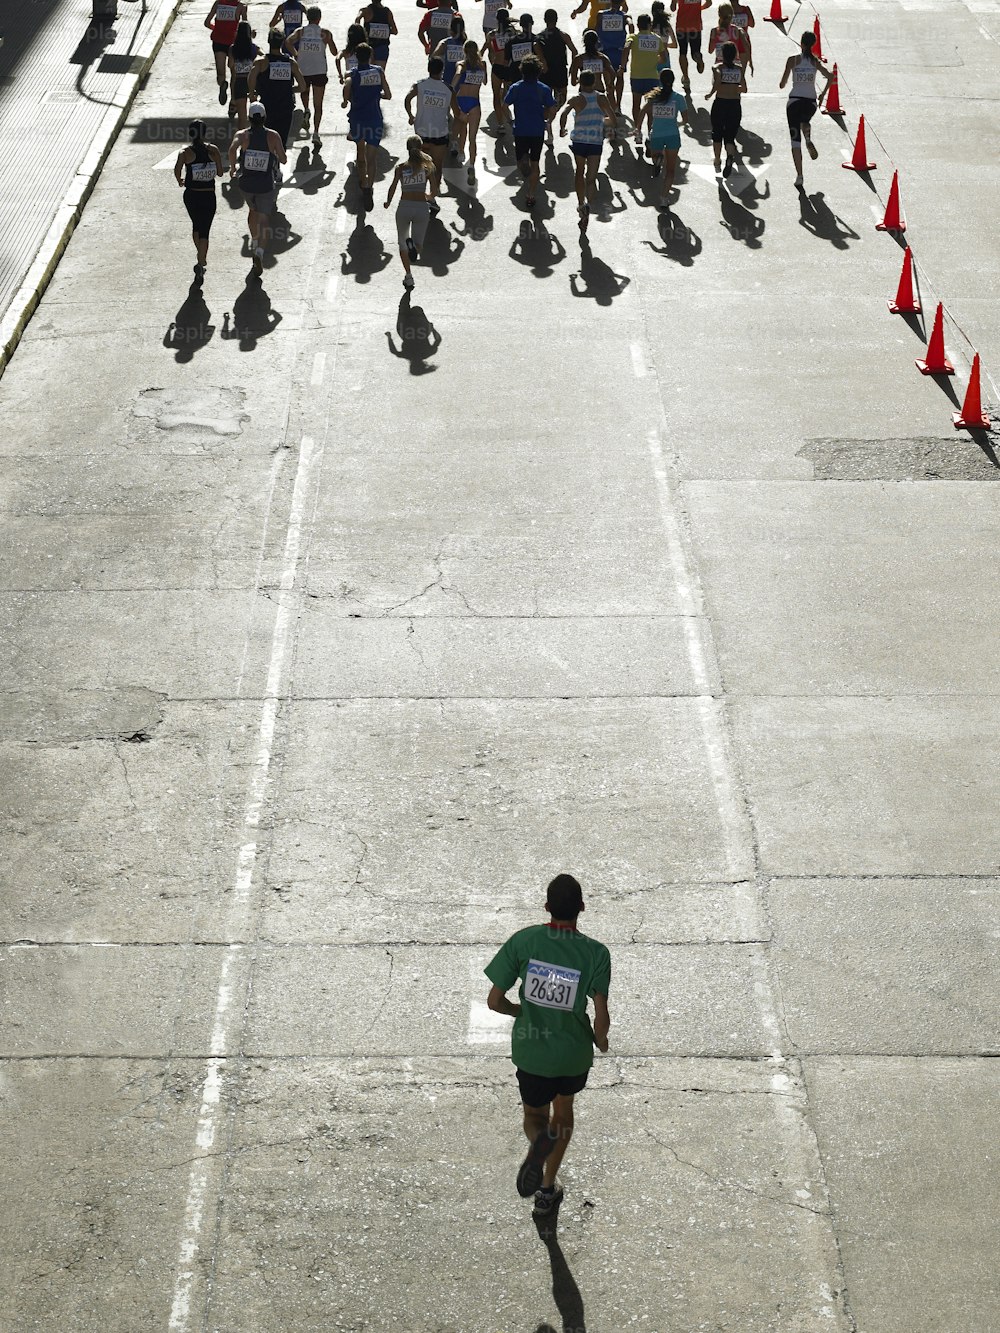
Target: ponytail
point(666, 85)
point(197, 131)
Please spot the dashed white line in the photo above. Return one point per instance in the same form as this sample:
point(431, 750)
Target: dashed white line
point(319, 367)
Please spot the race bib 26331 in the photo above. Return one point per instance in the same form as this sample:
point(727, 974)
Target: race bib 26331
point(551, 986)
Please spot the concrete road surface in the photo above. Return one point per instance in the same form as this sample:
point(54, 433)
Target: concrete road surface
point(336, 621)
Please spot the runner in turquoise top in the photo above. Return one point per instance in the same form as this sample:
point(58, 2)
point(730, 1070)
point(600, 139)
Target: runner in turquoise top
point(552, 1043)
point(664, 110)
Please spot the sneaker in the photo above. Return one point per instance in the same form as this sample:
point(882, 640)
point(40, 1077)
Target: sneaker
point(258, 260)
point(798, 181)
point(453, 148)
point(223, 92)
point(547, 1201)
point(529, 1176)
point(408, 282)
point(812, 150)
point(199, 271)
point(727, 170)
point(470, 175)
point(718, 168)
point(411, 249)
point(701, 65)
point(317, 141)
point(232, 111)
point(305, 120)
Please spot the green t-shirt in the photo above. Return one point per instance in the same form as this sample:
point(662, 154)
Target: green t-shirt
point(558, 969)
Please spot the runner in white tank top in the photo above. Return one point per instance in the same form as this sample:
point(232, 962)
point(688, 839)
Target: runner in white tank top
point(802, 100)
point(309, 46)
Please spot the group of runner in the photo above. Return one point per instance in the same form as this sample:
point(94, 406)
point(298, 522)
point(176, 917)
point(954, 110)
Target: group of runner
point(530, 74)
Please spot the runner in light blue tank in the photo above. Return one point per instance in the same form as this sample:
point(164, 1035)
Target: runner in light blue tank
point(663, 109)
point(587, 139)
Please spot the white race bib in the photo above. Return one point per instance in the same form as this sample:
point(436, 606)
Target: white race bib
point(612, 23)
point(591, 66)
point(664, 110)
point(225, 13)
point(203, 171)
point(551, 986)
point(256, 160)
point(370, 78)
point(280, 72)
point(645, 41)
point(379, 32)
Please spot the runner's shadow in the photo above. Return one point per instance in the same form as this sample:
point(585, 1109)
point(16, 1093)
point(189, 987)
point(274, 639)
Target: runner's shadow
point(311, 172)
point(538, 249)
point(560, 172)
point(476, 222)
point(418, 338)
point(253, 316)
point(190, 329)
point(680, 243)
point(744, 186)
point(283, 238)
point(607, 201)
point(753, 148)
point(565, 1292)
point(700, 125)
point(231, 193)
point(440, 249)
point(365, 255)
point(739, 221)
point(817, 217)
point(596, 280)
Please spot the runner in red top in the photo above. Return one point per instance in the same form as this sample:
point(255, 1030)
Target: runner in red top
point(223, 18)
point(688, 28)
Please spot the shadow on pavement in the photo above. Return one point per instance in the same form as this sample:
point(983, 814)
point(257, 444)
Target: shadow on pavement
point(441, 248)
point(418, 338)
point(477, 224)
point(190, 329)
point(309, 173)
point(537, 248)
point(739, 221)
point(565, 1292)
point(365, 255)
point(596, 280)
point(817, 216)
point(253, 317)
point(680, 243)
point(283, 238)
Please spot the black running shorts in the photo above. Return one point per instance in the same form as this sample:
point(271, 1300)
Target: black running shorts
point(536, 1090)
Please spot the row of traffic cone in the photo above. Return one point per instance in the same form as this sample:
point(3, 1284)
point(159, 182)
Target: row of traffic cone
point(934, 361)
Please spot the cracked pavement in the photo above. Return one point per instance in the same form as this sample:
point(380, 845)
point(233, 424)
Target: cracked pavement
point(319, 658)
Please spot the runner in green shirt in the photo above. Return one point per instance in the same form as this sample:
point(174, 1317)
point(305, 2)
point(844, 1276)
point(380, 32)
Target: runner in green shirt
point(552, 1044)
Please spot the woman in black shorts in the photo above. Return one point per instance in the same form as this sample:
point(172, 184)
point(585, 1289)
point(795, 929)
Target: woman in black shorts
point(196, 170)
point(496, 48)
point(243, 52)
point(728, 84)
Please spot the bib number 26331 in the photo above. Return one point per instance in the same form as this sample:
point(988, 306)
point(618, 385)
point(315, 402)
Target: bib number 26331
point(551, 986)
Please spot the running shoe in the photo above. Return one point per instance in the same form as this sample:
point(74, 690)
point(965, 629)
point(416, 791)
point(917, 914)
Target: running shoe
point(547, 1201)
point(411, 249)
point(453, 149)
point(223, 92)
point(798, 181)
point(701, 65)
point(408, 282)
point(199, 272)
point(529, 1176)
point(317, 141)
point(812, 150)
point(258, 260)
point(470, 175)
point(232, 111)
point(305, 120)
point(727, 170)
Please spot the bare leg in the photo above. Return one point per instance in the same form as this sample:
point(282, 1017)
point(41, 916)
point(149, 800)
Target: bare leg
point(581, 189)
point(318, 92)
point(593, 166)
point(561, 1127)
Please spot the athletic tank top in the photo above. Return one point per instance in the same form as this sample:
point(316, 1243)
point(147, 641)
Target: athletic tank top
point(413, 178)
point(200, 174)
point(555, 51)
point(293, 17)
point(366, 94)
point(519, 47)
point(803, 79)
point(588, 124)
point(611, 28)
point(276, 79)
point(257, 163)
point(433, 100)
point(311, 52)
point(378, 25)
point(224, 24)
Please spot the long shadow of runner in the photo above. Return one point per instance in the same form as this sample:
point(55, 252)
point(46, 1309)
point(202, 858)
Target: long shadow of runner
point(190, 329)
point(418, 338)
point(739, 221)
point(538, 249)
point(680, 243)
point(253, 316)
point(816, 216)
point(565, 1292)
point(596, 279)
point(365, 255)
point(441, 248)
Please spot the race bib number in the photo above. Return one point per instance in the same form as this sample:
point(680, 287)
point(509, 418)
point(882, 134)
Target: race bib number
point(453, 54)
point(474, 78)
point(664, 111)
point(730, 75)
point(293, 17)
point(551, 986)
point(256, 160)
point(441, 18)
point(434, 101)
point(203, 171)
point(379, 32)
point(647, 42)
point(612, 23)
point(370, 78)
point(280, 73)
point(243, 67)
point(591, 66)
point(740, 21)
point(519, 50)
point(225, 13)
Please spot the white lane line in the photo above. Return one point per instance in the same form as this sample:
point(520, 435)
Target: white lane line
point(211, 1094)
point(639, 367)
point(332, 283)
point(319, 366)
point(340, 225)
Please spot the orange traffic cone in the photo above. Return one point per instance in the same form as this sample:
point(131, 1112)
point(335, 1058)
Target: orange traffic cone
point(833, 107)
point(972, 416)
point(893, 220)
point(905, 303)
point(935, 362)
point(818, 47)
point(859, 162)
point(775, 15)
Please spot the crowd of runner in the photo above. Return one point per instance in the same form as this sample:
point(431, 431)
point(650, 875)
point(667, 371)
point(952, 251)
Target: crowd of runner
point(538, 81)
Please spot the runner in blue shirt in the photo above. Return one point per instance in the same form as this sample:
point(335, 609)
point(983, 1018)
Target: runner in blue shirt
point(534, 106)
point(612, 29)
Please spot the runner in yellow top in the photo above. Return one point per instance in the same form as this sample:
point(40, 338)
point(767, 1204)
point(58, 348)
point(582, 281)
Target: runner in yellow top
point(646, 54)
point(597, 7)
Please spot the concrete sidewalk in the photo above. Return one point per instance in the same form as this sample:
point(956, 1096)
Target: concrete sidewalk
point(336, 621)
